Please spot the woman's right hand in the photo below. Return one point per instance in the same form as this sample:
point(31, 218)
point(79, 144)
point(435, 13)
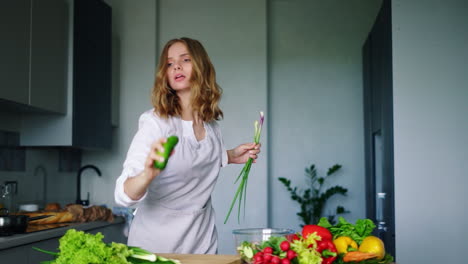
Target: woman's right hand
point(135, 187)
point(150, 172)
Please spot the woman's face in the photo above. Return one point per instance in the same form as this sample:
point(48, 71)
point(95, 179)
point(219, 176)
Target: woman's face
point(179, 68)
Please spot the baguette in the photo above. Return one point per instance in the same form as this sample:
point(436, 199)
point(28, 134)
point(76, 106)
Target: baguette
point(55, 218)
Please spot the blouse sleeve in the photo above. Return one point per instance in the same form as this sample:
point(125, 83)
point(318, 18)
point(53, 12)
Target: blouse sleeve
point(224, 156)
point(148, 131)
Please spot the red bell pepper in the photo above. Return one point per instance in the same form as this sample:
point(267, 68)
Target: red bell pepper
point(327, 250)
point(322, 232)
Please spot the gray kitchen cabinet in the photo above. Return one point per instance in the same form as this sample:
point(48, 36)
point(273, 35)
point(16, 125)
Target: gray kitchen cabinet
point(15, 23)
point(49, 53)
point(33, 50)
point(13, 255)
point(88, 121)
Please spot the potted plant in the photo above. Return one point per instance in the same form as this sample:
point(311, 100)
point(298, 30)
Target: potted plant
point(313, 199)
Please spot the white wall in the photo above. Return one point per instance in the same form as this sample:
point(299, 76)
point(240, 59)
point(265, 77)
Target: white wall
point(430, 89)
point(316, 100)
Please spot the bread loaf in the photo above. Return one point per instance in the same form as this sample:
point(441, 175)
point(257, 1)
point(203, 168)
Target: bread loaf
point(74, 213)
point(52, 207)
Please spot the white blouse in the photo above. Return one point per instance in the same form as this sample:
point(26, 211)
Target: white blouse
point(178, 197)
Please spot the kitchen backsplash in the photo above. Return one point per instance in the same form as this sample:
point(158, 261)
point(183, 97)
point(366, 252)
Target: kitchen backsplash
point(43, 174)
point(12, 157)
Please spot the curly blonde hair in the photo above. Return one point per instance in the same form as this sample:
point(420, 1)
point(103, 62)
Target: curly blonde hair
point(205, 92)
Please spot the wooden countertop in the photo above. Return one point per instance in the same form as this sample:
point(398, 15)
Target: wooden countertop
point(204, 259)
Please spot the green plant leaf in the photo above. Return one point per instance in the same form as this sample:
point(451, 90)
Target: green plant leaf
point(312, 200)
point(321, 180)
point(340, 210)
point(333, 169)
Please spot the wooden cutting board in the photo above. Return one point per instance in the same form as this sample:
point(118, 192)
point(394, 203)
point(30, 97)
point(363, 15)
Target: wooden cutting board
point(204, 259)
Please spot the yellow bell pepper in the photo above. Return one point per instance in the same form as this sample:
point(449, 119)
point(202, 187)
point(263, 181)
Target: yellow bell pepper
point(344, 244)
point(372, 244)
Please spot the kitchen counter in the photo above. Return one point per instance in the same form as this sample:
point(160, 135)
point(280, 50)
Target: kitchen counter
point(29, 238)
point(204, 259)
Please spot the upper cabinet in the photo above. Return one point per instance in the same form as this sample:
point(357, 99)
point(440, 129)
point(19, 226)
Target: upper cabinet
point(33, 50)
point(92, 74)
point(87, 123)
point(49, 51)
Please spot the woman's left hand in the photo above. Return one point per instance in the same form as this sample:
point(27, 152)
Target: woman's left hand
point(243, 152)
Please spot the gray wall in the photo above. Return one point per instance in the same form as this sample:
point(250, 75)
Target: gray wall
point(60, 186)
point(315, 89)
point(430, 130)
point(316, 99)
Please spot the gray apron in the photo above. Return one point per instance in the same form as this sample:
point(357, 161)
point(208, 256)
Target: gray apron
point(177, 216)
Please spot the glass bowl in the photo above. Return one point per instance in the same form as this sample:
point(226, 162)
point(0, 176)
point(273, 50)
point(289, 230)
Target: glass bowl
point(258, 235)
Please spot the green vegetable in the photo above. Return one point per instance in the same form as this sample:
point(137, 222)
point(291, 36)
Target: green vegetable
point(78, 247)
point(246, 251)
point(171, 142)
point(81, 248)
point(241, 192)
point(139, 253)
point(306, 249)
point(357, 232)
point(274, 242)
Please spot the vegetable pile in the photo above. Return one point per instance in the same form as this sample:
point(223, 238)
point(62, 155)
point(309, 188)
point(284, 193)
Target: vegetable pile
point(79, 247)
point(275, 250)
point(343, 243)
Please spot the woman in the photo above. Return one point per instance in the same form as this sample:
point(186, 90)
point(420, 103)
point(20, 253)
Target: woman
point(174, 213)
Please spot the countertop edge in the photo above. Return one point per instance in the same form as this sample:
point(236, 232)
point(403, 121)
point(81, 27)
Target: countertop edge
point(203, 258)
point(24, 239)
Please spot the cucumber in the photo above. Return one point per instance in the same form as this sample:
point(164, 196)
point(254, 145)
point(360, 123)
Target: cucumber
point(171, 142)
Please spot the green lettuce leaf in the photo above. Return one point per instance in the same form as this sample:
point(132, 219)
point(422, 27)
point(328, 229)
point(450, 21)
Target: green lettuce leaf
point(357, 232)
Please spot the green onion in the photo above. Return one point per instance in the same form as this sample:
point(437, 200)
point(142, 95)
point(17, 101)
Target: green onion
point(241, 193)
point(140, 253)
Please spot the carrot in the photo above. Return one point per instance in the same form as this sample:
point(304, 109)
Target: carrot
point(357, 256)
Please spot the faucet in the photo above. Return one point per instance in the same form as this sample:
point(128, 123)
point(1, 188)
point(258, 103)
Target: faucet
point(78, 183)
